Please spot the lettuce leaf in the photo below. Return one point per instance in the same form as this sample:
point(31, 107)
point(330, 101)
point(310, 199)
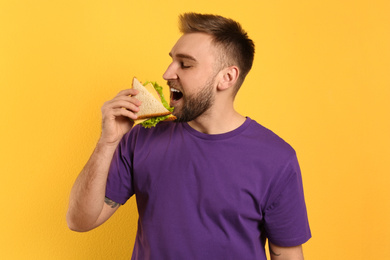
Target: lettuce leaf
point(152, 122)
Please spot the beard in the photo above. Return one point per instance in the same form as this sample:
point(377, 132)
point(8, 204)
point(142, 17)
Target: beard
point(196, 104)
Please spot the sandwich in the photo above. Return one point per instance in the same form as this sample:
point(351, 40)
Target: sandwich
point(154, 107)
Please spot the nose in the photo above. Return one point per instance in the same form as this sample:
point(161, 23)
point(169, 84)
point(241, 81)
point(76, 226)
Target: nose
point(170, 73)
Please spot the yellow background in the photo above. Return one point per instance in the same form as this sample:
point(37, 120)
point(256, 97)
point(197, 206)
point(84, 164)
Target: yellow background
point(320, 80)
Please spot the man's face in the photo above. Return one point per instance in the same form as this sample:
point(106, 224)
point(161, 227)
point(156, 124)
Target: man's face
point(192, 76)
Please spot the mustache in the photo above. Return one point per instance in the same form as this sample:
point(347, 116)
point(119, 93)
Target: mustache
point(173, 84)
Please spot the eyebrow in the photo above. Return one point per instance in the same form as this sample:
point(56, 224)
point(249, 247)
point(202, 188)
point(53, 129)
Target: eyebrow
point(183, 56)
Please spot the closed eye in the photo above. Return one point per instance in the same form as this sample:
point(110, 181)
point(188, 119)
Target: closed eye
point(184, 66)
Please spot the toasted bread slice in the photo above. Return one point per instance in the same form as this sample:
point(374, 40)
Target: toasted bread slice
point(150, 107)
point(149, 87)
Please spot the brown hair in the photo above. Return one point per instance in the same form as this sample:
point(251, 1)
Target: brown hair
point(237, 48)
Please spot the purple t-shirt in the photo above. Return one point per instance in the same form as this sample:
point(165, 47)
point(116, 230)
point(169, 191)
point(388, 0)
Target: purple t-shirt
point(203, 196)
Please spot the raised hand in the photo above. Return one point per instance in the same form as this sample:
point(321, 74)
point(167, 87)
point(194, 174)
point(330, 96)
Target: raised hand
point(118, 115)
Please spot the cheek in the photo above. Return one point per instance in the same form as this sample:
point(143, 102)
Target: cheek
point(195, 79)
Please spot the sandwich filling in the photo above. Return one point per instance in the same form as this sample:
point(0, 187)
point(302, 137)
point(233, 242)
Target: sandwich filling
point(151, 122)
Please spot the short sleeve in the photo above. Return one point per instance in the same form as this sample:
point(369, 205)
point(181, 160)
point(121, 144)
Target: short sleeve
point(285, 218)
point(119, 186)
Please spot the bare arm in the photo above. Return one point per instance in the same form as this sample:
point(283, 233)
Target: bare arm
point(285, 253)
point(88, 207)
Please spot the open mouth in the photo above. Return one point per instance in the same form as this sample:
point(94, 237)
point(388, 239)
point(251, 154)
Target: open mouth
point(176, 94)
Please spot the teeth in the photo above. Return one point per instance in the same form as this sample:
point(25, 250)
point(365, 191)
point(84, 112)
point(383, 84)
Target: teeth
point(175, 90)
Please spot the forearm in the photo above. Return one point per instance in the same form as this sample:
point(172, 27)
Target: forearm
point(87, 209)
point(88, 192)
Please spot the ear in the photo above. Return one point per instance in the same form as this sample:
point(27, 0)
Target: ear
point(229, 76)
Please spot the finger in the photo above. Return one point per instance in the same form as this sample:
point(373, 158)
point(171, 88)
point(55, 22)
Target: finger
point(124, 112)
point(126, 98)
point(128, 92)
point(121, 101)
point(131, 105)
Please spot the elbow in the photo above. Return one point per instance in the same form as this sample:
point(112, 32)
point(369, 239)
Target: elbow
point(73, 227)
point(74, 224)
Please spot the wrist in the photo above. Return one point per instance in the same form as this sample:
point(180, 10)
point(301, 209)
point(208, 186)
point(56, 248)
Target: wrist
point(106, 146)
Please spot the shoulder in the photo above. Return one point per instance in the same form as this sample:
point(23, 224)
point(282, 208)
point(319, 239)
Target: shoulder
point(268, 141)
point(162, 129)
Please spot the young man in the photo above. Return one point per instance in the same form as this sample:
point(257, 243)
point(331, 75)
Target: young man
point(214, 184)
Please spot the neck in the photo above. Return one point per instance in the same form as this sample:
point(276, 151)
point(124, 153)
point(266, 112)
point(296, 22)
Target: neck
point(218, 121)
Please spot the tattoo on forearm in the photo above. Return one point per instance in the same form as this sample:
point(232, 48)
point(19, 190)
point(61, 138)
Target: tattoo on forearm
point(272, 252)
point(111, 203)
